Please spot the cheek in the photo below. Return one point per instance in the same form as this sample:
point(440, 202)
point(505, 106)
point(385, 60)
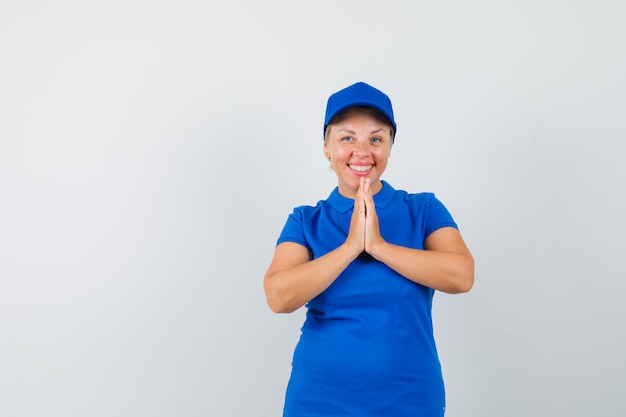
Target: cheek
point(338, 153)
point(382, 154)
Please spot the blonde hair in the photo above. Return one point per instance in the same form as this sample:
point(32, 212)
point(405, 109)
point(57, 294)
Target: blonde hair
point(368, 111)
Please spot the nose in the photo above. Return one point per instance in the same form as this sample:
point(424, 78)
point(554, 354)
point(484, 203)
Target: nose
point(361, 148)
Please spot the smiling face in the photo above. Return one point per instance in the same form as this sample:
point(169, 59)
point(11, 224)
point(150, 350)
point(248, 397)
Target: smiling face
point(358, 145)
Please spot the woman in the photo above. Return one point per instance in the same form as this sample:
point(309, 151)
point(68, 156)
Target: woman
point(366, 263)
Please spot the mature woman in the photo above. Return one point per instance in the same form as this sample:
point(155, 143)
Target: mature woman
point(366, 262)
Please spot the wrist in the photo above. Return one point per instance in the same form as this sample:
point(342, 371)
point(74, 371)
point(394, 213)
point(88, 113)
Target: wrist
point(377, 250)
point(351, 250)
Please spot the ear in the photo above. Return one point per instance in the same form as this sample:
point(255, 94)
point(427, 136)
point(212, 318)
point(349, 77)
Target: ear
point(326, 152)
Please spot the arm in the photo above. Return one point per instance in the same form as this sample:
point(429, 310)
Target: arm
point(445, 265)
point(293, 279)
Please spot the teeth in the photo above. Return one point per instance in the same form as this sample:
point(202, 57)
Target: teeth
point(360, 168)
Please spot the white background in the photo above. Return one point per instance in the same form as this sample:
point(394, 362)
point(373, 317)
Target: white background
point(150, 152)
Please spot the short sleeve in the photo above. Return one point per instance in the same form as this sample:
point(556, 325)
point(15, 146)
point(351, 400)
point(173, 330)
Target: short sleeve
point(293, 231)
point(438, 216)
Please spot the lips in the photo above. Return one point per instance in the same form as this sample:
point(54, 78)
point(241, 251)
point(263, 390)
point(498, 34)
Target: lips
point(360, 168)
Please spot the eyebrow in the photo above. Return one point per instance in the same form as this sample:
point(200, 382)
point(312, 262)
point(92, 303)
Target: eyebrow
point(354, 133)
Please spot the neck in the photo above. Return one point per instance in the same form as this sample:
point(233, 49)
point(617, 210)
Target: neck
point(349, 192)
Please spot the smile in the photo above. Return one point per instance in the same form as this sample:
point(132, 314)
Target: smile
point(360, 168)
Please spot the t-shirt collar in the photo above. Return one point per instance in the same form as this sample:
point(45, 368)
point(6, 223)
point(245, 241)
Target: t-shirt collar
point(344, 204)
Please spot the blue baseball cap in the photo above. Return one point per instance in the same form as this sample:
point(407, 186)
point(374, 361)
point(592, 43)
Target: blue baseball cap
point(359, 94)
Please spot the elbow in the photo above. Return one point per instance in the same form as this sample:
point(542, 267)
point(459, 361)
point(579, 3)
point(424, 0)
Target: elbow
point(275, 305)
point(273, 301)
point(460, 285)
point(464, 279)
point(277, 302)
point(465, 285)
point(279, 307)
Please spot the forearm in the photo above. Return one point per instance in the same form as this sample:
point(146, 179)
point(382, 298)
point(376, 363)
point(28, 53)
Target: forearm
point(290, 288)
point(449, 272)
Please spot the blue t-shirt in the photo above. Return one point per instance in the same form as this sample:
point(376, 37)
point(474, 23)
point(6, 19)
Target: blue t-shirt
point(367, 347)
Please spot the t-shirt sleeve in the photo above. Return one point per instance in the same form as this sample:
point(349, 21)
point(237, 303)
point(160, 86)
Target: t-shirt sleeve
point(293, 231)
point(438, 216)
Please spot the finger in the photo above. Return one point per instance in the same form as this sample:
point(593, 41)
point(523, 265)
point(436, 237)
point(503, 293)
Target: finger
point(359, 199)
point(361, 190)
point(358, 208)
point(362, 194)
point(364, 187)
point(368, 197)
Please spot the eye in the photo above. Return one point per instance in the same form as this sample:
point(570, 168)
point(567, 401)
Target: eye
point(377, 140)
point(347, 139)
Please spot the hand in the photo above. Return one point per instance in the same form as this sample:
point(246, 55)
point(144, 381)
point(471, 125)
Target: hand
point(372, 228)
point(364, 232)
point(356, 234)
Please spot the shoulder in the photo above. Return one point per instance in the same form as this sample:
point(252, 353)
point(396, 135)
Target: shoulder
point(423, 202)
point(302, 220)
point(418, 198)
point(309, 210)
point(421, 197)
point(310, 215)
point(424, 205)
point(334, 200)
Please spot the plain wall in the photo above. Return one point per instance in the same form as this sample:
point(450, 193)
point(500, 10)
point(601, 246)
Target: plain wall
point(150, 152)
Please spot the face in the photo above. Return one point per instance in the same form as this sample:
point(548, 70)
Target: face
point(358, 146)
